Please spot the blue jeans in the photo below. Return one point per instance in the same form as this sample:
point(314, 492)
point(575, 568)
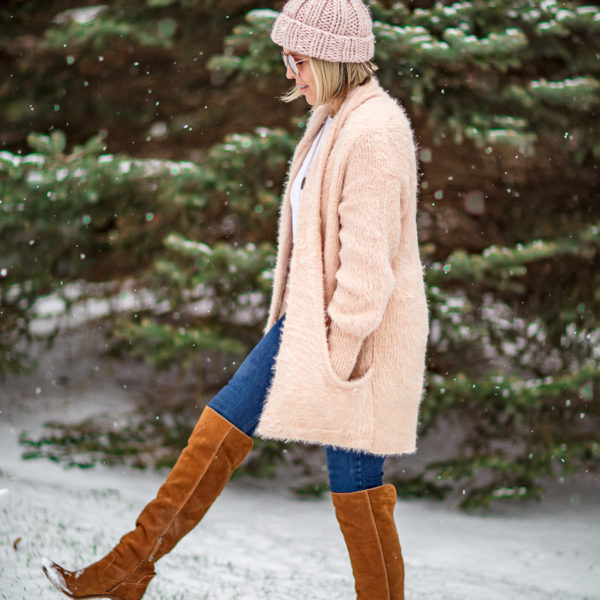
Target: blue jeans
point(241, 402)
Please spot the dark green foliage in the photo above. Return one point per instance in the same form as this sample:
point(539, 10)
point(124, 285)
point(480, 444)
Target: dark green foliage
point(152, 439)
point(317, 488)
point(420, 487)
point(138, 443)
point(172, 204)
point(265, 458)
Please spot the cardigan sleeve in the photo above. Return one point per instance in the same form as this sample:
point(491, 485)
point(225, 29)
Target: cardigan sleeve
point(375, 179)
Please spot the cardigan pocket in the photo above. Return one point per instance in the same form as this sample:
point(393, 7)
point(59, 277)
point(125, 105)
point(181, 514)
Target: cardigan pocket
point(349, 384)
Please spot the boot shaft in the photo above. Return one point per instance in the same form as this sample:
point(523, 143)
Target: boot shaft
point(366, 519)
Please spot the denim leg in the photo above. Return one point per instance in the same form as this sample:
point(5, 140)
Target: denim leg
point(353, 470)
point(241, 400)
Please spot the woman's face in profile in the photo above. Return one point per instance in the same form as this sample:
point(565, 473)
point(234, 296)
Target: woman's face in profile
point(304, 77)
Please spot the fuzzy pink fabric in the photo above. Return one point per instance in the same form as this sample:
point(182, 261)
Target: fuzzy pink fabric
point(333, 30)
point(355, 264)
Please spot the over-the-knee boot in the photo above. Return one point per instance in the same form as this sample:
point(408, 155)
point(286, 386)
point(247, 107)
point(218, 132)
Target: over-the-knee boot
point(366, 519)
point(215, 449)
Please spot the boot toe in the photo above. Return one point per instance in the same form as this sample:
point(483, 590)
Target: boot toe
point(56, 574)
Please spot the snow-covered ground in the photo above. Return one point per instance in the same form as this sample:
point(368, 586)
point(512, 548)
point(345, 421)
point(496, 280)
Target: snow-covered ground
point(260, 541)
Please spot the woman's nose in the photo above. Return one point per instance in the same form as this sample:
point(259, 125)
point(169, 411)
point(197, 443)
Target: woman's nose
point(289, 73)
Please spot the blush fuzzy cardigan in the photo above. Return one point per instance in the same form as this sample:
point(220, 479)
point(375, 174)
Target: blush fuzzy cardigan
point(349, 371)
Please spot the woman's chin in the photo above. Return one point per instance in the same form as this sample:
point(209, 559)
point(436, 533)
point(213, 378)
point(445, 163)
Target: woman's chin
point(309, 98)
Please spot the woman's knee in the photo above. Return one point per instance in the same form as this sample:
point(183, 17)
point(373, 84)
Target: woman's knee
point(353, 471)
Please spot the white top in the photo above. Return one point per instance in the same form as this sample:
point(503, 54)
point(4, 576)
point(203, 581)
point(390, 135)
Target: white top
point(296, 189)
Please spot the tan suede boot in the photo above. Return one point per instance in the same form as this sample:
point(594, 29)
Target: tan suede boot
point(215, 449)
point(366, 519)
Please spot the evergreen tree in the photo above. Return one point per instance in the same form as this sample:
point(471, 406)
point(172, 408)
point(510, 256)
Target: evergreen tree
point(504, 100)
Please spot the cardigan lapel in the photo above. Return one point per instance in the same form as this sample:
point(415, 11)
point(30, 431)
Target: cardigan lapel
point(312, 192)
point(312, 207)
point(284, 242)
point(355, 98)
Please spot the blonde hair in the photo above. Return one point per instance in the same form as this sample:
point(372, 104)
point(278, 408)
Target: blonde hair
point(334, 80)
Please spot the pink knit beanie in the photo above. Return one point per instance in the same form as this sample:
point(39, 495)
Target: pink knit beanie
point(333, 30)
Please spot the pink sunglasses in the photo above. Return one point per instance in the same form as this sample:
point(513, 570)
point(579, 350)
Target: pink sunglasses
point(291, 62)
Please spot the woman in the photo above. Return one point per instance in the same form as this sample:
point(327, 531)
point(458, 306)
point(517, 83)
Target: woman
point(344, 366)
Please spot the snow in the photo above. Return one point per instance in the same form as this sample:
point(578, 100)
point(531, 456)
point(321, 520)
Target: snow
point(259, 540)
point(261, 13)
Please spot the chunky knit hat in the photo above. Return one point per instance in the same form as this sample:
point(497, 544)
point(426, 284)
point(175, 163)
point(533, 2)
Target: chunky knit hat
point(334, 30)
